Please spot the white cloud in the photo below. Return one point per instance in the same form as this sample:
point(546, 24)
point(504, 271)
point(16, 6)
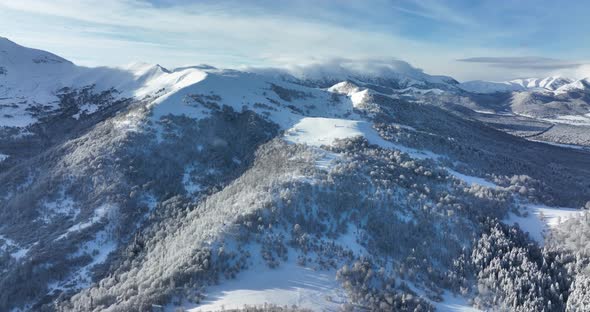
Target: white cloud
point(115, 32)
point(202, 32)
point(437, 10)
point(583, 71)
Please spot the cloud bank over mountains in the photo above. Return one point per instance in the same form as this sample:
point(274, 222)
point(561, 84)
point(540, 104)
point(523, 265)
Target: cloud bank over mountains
point(442, 37)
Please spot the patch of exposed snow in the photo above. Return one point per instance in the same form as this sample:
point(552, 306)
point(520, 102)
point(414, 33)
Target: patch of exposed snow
point(318, 131)
point(359, 98)
point(99, 248)
point(3, 157)
point(541, 219)
point(289, 284)
point(64, 207)
point(86, 109)
point(350, 241)
point(452, 303)
point(471, 180)
point(485, 112)
point(15, 250)
point(99, 214)
point(189, 184)
point(489, 112)
point(576, 120)
point(15, 118)
point(19, 254)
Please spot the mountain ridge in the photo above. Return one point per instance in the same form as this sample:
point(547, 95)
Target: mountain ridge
point(556, 84)
point(160, 189)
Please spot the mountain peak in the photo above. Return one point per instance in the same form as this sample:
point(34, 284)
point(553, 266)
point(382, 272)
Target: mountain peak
point(12, 53)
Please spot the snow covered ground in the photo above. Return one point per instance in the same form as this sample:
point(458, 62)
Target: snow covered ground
point(541, 219)
point(450, 302)
point(289, 284)
point(99, 249)
point(576, 120)
point(98, 215)
point(471, 179)
point(316, 131)
point(15, 251)
point(453, 303)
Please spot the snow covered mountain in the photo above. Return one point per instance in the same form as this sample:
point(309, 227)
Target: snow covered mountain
point(581, 84)
point(552, 109)
point(393, 73)
point(355, 187)
point(32, 81)
point(548, 83)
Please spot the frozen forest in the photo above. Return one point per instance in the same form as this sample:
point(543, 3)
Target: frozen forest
point(203, 189)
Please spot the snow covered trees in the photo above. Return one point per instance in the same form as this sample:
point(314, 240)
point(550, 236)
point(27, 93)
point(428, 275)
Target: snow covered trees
point(514, 274)
point(376, 291)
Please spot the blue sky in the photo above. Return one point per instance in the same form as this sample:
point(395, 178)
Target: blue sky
point(472, 39)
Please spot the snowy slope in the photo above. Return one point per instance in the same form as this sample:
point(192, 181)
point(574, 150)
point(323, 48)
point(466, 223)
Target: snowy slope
point(322, 131)
point(313, 106)
point(30, 77)
point(581, 84)
point(538, 220)
point(290, 284)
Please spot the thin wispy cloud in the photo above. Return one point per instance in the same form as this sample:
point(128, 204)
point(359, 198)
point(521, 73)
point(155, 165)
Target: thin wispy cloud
point(228, 33)
point(435, 10)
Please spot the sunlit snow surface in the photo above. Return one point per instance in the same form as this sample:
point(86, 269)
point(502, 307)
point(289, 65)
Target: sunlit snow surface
point(323, 131)
point(316, 131)
point(289, 284)
point(449, 303)
point(453, 303)
point(292, 284)
point(471, 179)
point(541, 219)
